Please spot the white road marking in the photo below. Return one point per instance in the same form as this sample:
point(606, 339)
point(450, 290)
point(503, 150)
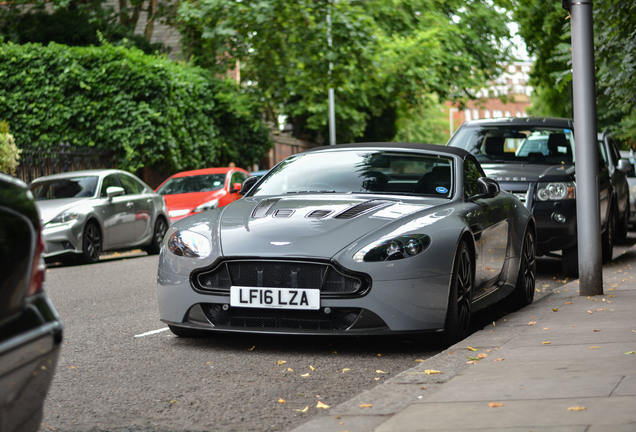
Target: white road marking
point(152, 332)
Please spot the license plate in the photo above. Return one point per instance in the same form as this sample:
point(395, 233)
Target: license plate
point(282, 298)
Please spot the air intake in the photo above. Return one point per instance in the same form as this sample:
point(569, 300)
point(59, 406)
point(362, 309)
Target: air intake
point(263, 207)
point(362, 208)
point(319, 214)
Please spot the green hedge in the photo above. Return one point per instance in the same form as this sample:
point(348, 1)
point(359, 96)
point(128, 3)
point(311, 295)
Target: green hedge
point(150, 111)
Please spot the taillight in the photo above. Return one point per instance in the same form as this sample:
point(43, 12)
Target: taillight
point(38, 268)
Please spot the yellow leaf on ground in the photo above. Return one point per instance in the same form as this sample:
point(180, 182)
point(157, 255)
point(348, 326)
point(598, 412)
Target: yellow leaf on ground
point(304, 410)
point(532, 323)
point(366, 405)
point(432, 372)
point(469, 348)
point(419, 361)
point(380, 371)
point(322, 405)
point(312, 368)
point(290, 370)
point(281, 362)
point(345, 370)
point(252, 349)
point(546, 343)
point(495, 404)
point(482, 355)
point(577, 408)
point(630, 352)
point(555, 309)
point(594, 347)
point(498, 359)
point(305, 374)
point(281, 400)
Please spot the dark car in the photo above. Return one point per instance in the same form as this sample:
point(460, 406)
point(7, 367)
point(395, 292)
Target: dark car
point(534, 159)
point(30, 328)
point(631, 182)
point(619, 167)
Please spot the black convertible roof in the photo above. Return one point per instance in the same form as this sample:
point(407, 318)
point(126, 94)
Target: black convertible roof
point(398, 146)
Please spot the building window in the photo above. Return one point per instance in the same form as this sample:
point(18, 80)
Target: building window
point(497, 113)
point(475, 114)
point(467, 114)
point(486, 113)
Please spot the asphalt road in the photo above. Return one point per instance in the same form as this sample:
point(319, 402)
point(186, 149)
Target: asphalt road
point(122, 370)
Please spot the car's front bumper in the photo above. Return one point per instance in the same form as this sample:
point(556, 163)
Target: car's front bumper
point(407, 305)
point(62, 239)
point(556, 225)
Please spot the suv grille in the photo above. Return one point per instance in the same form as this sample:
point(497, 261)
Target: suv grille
point(331, 281)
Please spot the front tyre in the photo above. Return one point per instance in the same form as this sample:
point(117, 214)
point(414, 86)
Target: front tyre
point(91, 243)
point(458, 313)
point(161, 226)
point(523, 294)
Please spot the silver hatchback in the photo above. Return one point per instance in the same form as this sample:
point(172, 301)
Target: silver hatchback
point(85, 213)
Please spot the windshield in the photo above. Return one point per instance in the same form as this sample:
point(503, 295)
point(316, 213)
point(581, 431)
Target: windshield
point(360, 171)
point(195, 183)
point(540, 145)
point(71, 187)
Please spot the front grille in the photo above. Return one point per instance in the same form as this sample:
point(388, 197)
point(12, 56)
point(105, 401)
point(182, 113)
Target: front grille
point(280, 319)
point(330, 280)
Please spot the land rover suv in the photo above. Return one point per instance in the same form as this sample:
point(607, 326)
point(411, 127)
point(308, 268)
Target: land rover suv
point(534, 159)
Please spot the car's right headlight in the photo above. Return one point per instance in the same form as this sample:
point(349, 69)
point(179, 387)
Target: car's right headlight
point(189, 244)
point(64, 217)
point(556, 191)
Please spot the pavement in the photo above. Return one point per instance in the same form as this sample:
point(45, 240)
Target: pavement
point(564, 363)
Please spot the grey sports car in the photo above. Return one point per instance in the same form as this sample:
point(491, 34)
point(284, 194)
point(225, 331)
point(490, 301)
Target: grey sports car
point(351, 239)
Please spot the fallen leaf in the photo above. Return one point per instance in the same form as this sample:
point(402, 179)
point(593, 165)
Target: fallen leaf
point(546, 328)
point(469, 348)
point(594, 347)
point(380, 371)
point(304, 410)
point(577, 408)
point(305, 374)
point(532, 323)
point(252, 349)
point(377, 378)
point(312, 368)
point(379, 355)
point(546, 343)
point(281, 401)
point(419, 361)
point(345, 370)
point(281, 362)
point(495, 404)
point(290, 370)
point(630, 352)
point(422, 388)
point(322, 405)
point(471, 362)
point(568, 303)
point(482, 355)
point(498, 359)
point(555, 309)
point(432, 372)
point(173, 401)
point(366, 405)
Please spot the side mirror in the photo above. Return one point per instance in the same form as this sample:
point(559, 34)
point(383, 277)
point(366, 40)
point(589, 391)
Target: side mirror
point(625, 165)
point(248, 184)
point(486, 188)
point(114, 191)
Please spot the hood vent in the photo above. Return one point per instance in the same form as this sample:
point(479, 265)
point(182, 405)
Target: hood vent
point(319, 214)
point(262, 208)
point(362, 208)
point(283, 213)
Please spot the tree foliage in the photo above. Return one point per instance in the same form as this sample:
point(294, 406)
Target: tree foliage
point(148, 110)
point(385, 57)
point(546, 29)
point(9, 152)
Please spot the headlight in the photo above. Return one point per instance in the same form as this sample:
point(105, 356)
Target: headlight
point(555, 191)
point(189, 244)
point(393, 249)
point(64, 217)
point(206, 206)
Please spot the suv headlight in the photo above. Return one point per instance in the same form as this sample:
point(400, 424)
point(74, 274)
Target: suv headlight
point(393, 249)
point(555, 191)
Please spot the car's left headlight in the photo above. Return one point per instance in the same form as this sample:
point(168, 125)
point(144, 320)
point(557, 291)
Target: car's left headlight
point(189, 244)
point(64, 217)
point(555, 191)
point(206, 206)
point(393, 249)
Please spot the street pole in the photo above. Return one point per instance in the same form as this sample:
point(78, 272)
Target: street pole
point(332, 110)
point(587, 157)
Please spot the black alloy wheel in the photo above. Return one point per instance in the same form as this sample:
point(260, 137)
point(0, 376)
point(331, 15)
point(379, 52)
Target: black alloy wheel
point(161, 226)
point(91, 243)
point(460, 298)
point(524, 291)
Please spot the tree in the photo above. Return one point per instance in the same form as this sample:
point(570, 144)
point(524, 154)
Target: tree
point(546, 31)
point(387, 56)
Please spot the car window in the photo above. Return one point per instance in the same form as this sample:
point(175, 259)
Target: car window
point(130, 185)
point(361, 171)
point(109, 180)
point(71, 187)
point(471, 174)
point(238, 177)
point(505, 143)
point(195, 183)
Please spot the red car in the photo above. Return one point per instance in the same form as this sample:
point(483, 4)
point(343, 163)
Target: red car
point(190, 192)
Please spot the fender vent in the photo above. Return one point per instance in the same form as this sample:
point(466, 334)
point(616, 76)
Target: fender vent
point(361, 208)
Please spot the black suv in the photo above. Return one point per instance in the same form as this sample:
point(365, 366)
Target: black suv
point(533, 158)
